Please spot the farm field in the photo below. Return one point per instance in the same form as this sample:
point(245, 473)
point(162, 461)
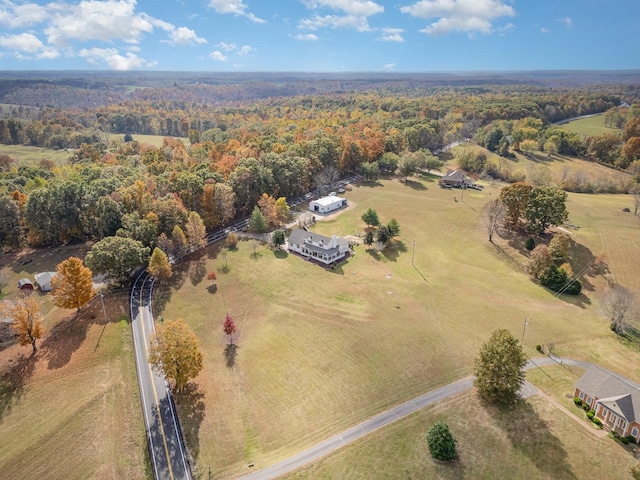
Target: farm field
point(321, 350)
point(32, 156)
point(588, 127)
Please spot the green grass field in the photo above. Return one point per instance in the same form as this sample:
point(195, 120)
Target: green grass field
point(320, 351)
point(532, 441)
point(33, 155)
point(588, 127)
point(154, 140)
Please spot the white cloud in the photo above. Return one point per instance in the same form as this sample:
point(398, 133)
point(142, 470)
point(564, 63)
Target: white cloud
point(391, 35)
point(112, 57)
point(358, 8)
point(218, 56)
point(234, 7)
point(245, 50)
point(184, 36)
point(96, 20)
point(307, 37)
point(21, 15)
point(334, 21)
point(544, 30)
point(470, 16)
point(353, 14)
point(227, 47)
point(389, 67)
point(27, 45)
point(566, 21)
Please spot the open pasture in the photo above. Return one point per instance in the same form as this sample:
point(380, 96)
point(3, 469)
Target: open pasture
point(31, 156)
point(153, 140)
point(560, 168)
point(321, 350)
point(588, 127)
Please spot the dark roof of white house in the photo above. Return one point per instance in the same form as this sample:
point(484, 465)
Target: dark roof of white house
point(299, 237)
point(613, 391)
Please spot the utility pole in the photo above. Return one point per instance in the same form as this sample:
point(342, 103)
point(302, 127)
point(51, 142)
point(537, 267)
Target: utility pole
point(103, 309)
point(413, 251)
point(524, 327)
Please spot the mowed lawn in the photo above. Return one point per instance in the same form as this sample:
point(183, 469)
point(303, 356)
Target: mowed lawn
point(588, 127)
point(534, 440)
point(322, 350)
point(72, 411)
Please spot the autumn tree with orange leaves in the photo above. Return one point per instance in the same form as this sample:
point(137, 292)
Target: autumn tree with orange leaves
point(72, 287)
point(27, 319)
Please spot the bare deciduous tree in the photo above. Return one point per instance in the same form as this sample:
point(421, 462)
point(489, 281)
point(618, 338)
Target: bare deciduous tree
point(617, 304)
point(492, 217)
point(635, 191)
point(326, 178)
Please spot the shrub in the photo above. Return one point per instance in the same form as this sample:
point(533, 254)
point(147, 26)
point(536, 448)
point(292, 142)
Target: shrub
point(624, 440)
point(597, 421)
point(615, 434)
point(232, 240)
point(577, 401)
point(585, 407)
point(530, 243)
point(539, 348)
point(631, 439)
point(590, 414)
point(442, 443)
point(556, 279)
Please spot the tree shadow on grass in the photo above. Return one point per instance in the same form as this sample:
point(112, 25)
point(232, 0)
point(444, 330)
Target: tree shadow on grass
point(508, 259)
point(370, 183)
point(280, 253)
point(197, 270)
point(230, 352)
point(12, 382)
point(529, 434)
point(452, 470)
point(65, 338)
point(191, 407)
point(414, 185)
point(393, 251)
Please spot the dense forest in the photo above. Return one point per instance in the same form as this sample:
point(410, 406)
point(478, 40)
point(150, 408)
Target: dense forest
point(266, 135)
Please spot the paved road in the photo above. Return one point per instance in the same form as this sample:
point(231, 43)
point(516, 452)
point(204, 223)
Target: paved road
point(385, 418)
point(166, 446)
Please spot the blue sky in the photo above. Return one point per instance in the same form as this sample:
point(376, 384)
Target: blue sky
point(320, 35)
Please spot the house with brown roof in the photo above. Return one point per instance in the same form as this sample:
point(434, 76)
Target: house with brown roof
point(614, 399)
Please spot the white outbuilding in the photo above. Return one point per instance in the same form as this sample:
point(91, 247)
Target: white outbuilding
point(44, 280)
point(327, 204)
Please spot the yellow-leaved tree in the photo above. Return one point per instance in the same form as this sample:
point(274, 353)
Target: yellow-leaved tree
point(27, 319)
point(175, 350)
point(159, 266)
point(72, 287)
